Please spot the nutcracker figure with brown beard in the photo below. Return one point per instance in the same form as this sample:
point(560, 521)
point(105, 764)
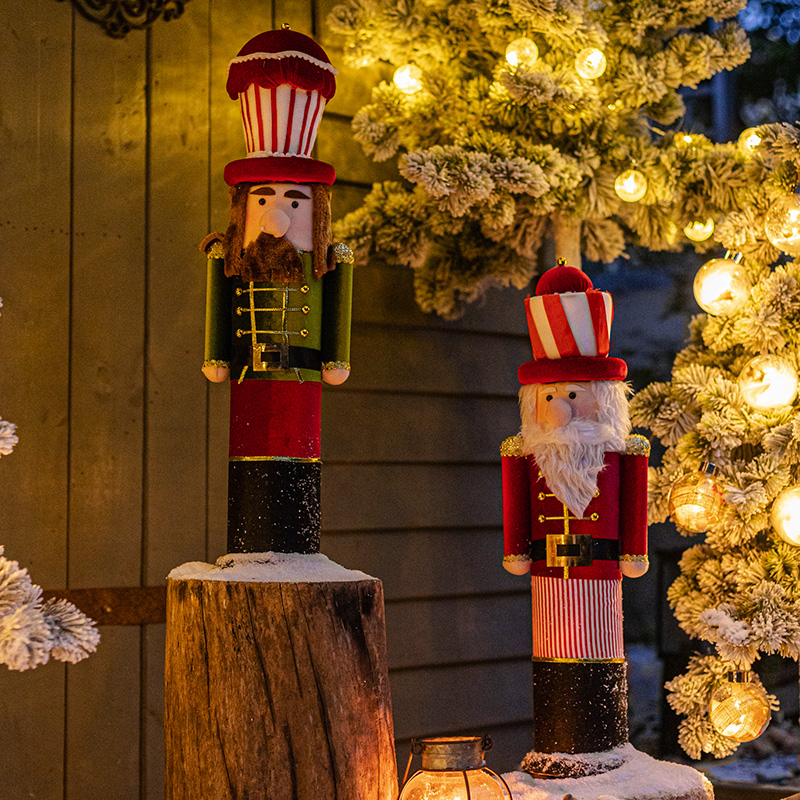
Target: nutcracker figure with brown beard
point(575, 519)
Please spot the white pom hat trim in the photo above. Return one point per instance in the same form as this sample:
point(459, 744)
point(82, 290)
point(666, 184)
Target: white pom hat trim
point(286, 54)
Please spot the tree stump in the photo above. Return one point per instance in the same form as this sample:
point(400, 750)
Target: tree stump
point(277, 691)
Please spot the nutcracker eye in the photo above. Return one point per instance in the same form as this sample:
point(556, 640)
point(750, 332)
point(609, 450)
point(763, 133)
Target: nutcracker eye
point(261, 201)
point(573, 395)
point(548, 397)
point(295, 204)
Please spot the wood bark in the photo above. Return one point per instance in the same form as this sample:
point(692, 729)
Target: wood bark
point(277, 691)
point(567, 235)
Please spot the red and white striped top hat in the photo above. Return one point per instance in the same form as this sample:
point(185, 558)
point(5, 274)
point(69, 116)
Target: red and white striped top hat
point(569, 322)
point(283, 80)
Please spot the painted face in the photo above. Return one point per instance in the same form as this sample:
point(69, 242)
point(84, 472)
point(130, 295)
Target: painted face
point(558, 403)
point(280, 209)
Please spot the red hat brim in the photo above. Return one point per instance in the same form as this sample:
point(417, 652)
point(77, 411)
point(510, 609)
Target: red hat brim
point(279, 169)
point(578, 368)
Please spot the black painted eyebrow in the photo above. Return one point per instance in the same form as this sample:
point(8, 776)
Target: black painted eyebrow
point(263, 190)
point(296, 193)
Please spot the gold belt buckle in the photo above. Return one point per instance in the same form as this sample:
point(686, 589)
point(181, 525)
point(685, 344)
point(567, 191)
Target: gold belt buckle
point(259, 365)
point(569, 550)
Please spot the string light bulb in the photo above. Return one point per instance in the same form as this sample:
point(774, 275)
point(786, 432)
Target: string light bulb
point(782, 224)
point(590, 63)
point(721, 286)
point(630, 185)
point(699, 231)
point(695, 502)
point(739, 709)
point(522, 51)
point(786, 515)
point(408, 78)
point(768, 382)
point(749, 140)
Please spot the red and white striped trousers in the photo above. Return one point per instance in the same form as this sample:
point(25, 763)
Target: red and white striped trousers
point(577, 619)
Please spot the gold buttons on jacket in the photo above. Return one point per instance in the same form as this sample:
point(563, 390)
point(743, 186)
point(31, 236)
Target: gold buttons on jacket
point(304, 333)
point(304, 288)
point(305, 309)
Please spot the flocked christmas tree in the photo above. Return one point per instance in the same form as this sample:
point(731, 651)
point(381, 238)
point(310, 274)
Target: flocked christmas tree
point(516, 120)
point(733, 401)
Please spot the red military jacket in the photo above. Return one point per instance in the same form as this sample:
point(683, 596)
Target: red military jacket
point(539, 527)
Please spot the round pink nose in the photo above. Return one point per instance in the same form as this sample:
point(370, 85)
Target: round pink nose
point(555, 414)
point(275, 222)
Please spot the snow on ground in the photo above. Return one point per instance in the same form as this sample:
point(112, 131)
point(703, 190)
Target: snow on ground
point(641, 777)
point(269, 568)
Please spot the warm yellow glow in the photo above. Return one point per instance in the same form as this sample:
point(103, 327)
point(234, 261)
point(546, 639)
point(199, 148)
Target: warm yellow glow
point(783, 224)
point(450, 785)
point(786, 515)
point(590, 63)
point(522, 51)
point(630, 185)
point(695, 503)
point(740, 710)
point(721, 286)
point(408, 78)
point(749, 140)
point(671, 233)
point(768, 382)
point(699, 231)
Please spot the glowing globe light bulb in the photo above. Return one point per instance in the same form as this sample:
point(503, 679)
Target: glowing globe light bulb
point(522, 51)
point(590, 63)
point(739, 709)
point(630, 185)
point(786, 515)
point(749, 140)
point(768, 382)
point(721, 286)
point(408, 78)
point(783, 224)
point(699, 231)
point(695, 502)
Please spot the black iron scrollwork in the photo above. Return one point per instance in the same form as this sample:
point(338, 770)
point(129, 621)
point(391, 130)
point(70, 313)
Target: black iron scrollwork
point(118, 17)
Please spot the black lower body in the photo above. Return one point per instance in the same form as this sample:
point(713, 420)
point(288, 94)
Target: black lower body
point(273, 505)
point(578, 707)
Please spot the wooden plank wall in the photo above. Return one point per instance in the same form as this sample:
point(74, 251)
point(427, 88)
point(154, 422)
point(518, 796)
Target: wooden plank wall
point(112, 158)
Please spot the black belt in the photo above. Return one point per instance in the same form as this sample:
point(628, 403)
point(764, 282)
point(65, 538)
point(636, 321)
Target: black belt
point(602, 550)
point(298, 357)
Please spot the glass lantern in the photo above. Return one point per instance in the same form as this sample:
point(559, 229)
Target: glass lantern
point(590, 63)
point(721, 286)
point(740, 709)
point(408, 78)
point(695, 502)
point(522, 52)
point(631, 185)
point(782, 224)
point(453, 769)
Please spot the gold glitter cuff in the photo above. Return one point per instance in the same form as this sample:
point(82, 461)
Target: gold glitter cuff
point(212, 245)
point(512, 446)
point(343, 253)
point(516, 557)
point(215, 251)
point(329, 365)
point(214, 363)
point(636, 445)
point(640, 559)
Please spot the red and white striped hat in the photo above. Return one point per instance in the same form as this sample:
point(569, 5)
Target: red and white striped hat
point(570, 327)
point(283, 80)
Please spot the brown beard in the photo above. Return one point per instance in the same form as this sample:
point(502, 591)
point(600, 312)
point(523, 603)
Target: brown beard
point(273, 259)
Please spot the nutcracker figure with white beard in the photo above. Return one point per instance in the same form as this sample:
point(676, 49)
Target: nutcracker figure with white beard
point(575, 518)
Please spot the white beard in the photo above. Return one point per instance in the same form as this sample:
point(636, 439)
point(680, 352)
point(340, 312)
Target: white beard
point(571, 457)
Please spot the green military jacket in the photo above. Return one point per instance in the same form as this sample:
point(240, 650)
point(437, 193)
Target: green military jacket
point(278, 331)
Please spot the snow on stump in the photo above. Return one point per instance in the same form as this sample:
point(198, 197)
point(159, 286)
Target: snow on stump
point(638, 777)
point(276, 682)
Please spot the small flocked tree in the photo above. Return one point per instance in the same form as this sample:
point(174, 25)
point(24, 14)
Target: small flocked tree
point(739, 591)
point(32, 630)
point(496, 156)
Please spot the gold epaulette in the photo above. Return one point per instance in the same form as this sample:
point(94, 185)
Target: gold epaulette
point(636, 445)
point(212, 245)
point(343, 253)
point(512, 446)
